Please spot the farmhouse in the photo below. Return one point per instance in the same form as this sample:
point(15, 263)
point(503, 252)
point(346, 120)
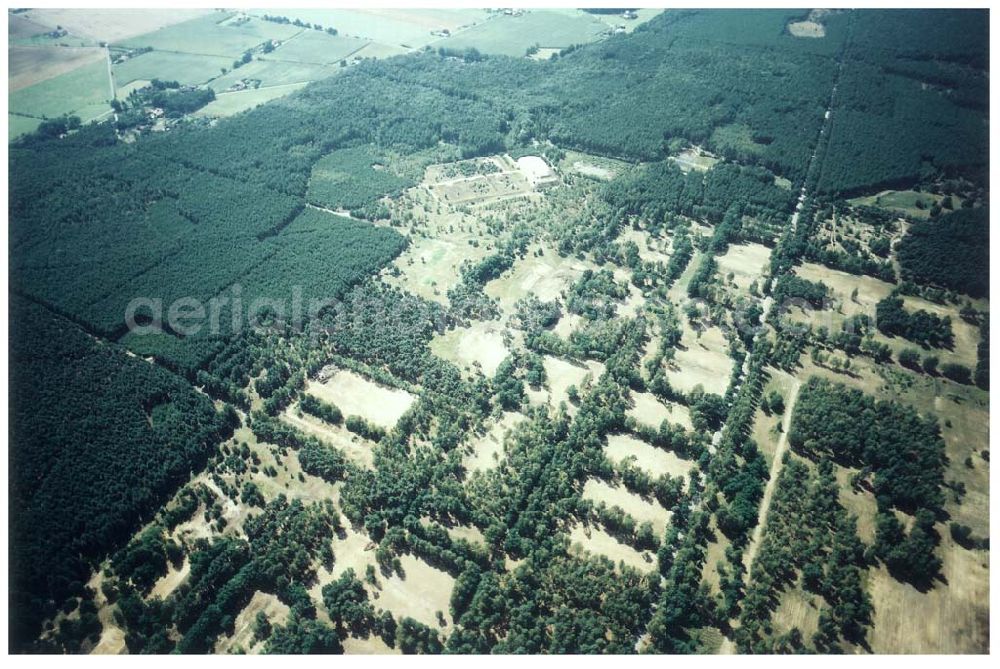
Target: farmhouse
point(537, 171)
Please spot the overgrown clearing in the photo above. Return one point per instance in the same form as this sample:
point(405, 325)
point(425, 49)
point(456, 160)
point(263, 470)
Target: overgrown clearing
point(642, 510)
point(595, 540)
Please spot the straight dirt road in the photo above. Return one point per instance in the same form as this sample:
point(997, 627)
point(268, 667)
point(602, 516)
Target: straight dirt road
point(777, 463)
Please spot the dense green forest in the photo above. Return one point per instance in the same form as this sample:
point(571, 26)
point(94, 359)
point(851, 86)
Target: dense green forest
point(99, 433)
point(951, 251)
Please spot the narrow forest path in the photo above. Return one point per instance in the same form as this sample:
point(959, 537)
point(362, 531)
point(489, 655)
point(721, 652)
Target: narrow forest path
point(777, 463)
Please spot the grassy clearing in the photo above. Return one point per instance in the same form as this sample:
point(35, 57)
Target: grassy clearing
point(596, 541)
point(596, 167)
point(187, 68)
point(312, 46)
point(420, 593)
point(513, 35)
point(547, 276)
point(28, 65)
point(702, 360)
point(487, 451)
point(69, 93)
point(635, 506)
point(655, 461)
point(355, 448)
point(648, 410)
point(952, 617)
point(903, 201)
point(356, 395)
point(561, 374)
point(242, 636)
point(807, 29)
point(227, 104)
point(479, 345)
point(212, 35)
point(797, 608)
point(651, 249)
point(695, 159)
point(746, 262)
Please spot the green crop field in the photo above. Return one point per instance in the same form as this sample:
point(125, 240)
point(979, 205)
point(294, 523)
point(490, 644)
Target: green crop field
point(273, 73)
point(20, 125)
point(512, 35)
point(313, 46)
point(69, 93)
point(215, 35)
point(227, 104)
point(411, 28)
point(187, 68)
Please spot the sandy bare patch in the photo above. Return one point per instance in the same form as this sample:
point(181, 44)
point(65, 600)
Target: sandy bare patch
point(797, 609)
point(595, 540)
point(373, 645)
point(655, 461)
point(745, 261)
point(421, 593)
point(169, 581)
point(702, 361)
point(356, 395)
point(694, 158)
point(27, 65)
point(469, 533)
point(591, 170)
point(481, 344)
point(242, 636)
point(807, 29)
point(871, 291)
point(568, 323)
point(635, 506)
point(358, 449)
point(651, 249)
point(487, 451)
point(648, 410)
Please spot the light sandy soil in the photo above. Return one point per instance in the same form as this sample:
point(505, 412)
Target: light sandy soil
point(601, 543)
point(966, 334)
point(807, 29)
point(373, 645)
point(694, 158)
point(29, 65)
point(797, 608)
point(635, 506)
point(567, 324)
point(859, 503)
point(111, 25)
point(871, 291)
point(745, 261)
point(169, 581)
point(242, 636)
point(479, 344)
point(419, 594)
point(702, 361)
point(356, 395)
point(487, 451)
point(949, 618)
point(648, 410)
point(356, 448)
point(655, 461)
point(112, 641)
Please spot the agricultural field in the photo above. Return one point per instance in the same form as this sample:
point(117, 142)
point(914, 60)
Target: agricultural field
point(84, 92)
point(514, 35)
